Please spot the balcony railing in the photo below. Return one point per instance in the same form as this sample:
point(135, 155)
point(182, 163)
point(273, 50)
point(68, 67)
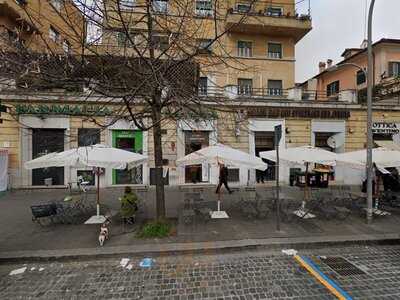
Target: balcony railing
point(234, 92)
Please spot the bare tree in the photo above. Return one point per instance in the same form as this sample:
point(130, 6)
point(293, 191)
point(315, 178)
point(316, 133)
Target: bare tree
point(139, 55)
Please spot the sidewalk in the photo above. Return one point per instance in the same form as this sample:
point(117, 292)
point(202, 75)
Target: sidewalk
point(21, 238)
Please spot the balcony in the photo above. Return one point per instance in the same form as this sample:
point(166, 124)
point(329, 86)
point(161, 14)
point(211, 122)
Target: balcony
point(263, 22)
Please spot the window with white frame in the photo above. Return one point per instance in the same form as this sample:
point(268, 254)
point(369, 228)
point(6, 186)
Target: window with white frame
point(56, 4)
point(245, 86)
point(54, 35)
point(160, 6)
point(274, 50)
point(274, 88)
point(204, 8)
point(274, 11)
point(245, 49)
point(394, 69)
point(127, 4)
point(66, 46)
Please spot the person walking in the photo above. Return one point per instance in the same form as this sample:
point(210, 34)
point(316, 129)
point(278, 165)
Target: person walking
point(223, 178)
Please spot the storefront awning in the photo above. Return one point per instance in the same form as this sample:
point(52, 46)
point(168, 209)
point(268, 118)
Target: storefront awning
point(390, 145)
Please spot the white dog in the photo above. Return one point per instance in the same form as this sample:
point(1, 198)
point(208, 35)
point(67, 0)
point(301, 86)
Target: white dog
point(103, 234)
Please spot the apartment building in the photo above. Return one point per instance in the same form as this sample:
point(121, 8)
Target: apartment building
point(252, 65)
point(347, 77)
point(42, 25)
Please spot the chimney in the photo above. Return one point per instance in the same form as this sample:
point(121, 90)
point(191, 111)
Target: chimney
point(329, 63)
point(322, 66)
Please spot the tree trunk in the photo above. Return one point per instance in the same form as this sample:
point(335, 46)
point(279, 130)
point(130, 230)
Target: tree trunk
point(158, 158)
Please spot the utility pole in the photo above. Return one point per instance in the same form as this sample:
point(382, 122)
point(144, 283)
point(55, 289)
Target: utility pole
point(370, 82)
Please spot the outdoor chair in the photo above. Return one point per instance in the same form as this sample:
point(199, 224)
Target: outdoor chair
point(195, 206)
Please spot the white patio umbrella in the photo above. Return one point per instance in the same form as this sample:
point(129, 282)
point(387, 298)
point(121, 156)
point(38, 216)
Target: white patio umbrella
point(223, 154)
point(382, 157)
point(220, 153)
point(96, 156)
point(303, 155)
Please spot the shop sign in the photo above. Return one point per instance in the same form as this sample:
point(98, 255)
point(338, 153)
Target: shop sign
point(385, 128)
point(57, 109)
point(308, 113)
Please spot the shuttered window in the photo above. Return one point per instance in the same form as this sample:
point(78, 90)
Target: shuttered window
point(394, 69)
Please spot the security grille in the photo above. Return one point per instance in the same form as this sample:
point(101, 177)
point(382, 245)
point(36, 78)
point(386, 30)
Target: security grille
point(342, 266)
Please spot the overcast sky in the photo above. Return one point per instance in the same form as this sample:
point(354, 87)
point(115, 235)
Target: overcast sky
point(339, 24)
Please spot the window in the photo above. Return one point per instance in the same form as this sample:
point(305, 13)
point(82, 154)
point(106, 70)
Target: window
point(161, 42)
point(274, 50)
point(245, 49)
point(56, 4)
point(203, 86)
point(66, 47)
point(126, 4)
point(54, 35)
point(160, 6)
point(124, 40)
point(274, 11)
point(204, 8)
point(243, 7)
point(274, 88)
point(233, 175)
point(245, 86)
point(332, 88)
point(361, 77)
point(88, 136)
point(394, 69)
point(205, 45)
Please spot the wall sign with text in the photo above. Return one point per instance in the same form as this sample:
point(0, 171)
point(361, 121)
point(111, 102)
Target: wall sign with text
point(58, 109)
point(385, 128)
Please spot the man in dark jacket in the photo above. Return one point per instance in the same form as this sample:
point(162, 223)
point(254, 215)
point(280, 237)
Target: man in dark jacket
point(223, 178)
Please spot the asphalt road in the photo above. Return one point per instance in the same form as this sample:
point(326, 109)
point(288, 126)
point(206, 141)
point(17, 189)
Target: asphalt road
point(241, 275)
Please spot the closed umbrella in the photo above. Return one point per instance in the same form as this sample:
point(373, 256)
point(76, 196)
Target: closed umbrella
point(220, 153)
point(96, 156)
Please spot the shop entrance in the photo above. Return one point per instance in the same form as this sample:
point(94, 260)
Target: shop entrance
point(264, 141)
point(132, 141)
point(194, 141)
point(45, 141)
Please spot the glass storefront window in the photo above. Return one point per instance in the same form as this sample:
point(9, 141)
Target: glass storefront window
point(88, 136)
point(45, 141)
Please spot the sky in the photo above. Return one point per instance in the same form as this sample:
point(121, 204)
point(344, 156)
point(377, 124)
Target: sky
point(339, 24)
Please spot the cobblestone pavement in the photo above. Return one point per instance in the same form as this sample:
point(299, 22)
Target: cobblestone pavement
point(241, 275)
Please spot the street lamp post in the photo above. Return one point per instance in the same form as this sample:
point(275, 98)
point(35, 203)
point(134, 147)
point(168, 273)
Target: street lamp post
point(369, 115)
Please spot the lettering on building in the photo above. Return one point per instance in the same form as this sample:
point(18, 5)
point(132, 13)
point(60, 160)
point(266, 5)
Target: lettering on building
point(56, 109)
point(309, 113)
point(385, 128)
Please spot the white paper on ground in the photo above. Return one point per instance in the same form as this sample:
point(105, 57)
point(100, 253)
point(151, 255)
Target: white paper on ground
point(291, 252)
point(124, 262)
point(18, 271)
point(41, 269)
point(33, 268)
point(129, 267)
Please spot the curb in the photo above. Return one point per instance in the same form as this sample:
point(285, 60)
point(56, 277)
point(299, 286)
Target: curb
point(302, 243)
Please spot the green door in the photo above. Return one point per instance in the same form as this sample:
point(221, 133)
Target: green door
point(129, 140)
